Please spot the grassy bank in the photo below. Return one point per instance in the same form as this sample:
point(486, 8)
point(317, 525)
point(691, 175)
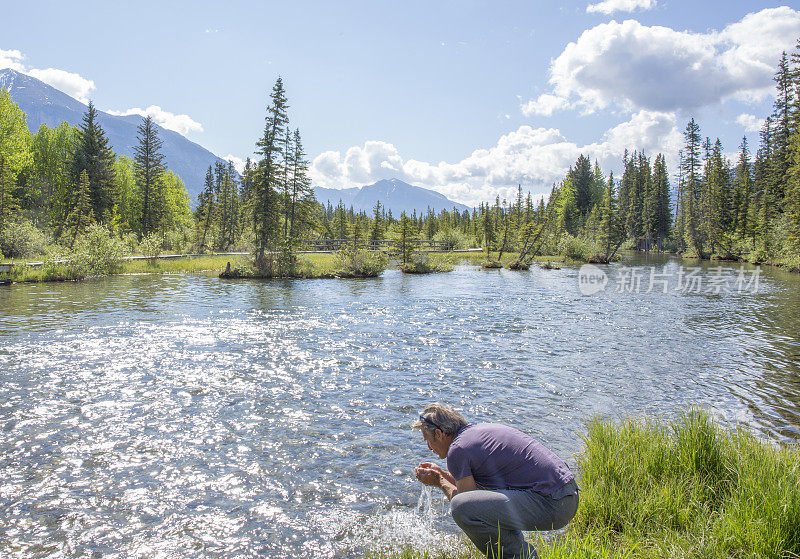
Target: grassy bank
point(688, 488)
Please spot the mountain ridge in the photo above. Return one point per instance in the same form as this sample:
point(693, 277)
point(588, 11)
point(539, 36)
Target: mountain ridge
point(44, 104)
point(393, 194)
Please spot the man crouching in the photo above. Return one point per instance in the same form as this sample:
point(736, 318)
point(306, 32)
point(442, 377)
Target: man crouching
point(499, 481)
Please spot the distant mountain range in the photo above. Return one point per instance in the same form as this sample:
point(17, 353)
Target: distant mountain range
point(47, 105)
point(393, 194)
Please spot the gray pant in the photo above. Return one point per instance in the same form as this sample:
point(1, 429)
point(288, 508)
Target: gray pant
point(494, 520)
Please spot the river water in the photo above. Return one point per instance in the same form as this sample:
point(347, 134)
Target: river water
point(184, 415)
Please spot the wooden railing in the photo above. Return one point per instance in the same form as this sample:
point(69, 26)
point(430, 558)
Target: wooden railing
point(333, 245)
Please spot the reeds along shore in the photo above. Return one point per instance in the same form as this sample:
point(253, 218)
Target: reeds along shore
point(687, 488)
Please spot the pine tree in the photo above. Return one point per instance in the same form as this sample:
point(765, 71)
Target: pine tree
point(94, 156)
point(582, 179)
point(377, 233)
point(612, 232)
point(784, 100)
point(661, 195)
point(149, 165)
point(405, 240)
point(691, 186)
point(80, 217)
point(742, 192)
point(205, 207)
point(267, 185)
point(301, 195)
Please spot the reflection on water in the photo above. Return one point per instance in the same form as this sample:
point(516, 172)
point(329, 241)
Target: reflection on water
point(144, 416)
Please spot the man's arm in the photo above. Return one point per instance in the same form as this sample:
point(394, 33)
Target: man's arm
point(430, 474)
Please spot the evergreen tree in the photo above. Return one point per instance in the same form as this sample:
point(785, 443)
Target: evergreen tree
point(80, 217)
point(582, 181)
point(742, 192)
point(94, 156)
point(661, 197)
point(405, 240)
point(205, 207)
point(612, 231)
point(268, 184)
point(377, 233)
point(691, 186)
point(149, 165)
point(301, 195)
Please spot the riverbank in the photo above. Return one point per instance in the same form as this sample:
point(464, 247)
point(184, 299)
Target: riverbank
point(688, 488)
point(320, 265)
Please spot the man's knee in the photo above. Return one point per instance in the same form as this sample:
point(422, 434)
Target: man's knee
point(462, 508)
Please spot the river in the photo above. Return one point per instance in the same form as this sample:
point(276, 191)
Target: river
point(184, 415)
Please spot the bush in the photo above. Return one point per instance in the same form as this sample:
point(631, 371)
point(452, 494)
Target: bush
point(21, 238)
point(98, 252)
point(427, 264)
point(577, 249)
point(355, 263)
point(151, 246)
point(452, 239)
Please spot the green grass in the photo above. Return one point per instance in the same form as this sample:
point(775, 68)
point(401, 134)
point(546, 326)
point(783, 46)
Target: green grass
point(688, 488)
point(210, 263)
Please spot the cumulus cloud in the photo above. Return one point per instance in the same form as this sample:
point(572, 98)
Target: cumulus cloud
point(532, 157)
point(546, 104)
point(611, 6)
point(11, 59)
point(635, 67)
point(72, 84)
point(238, 162)
point(751, 123)
point(182, 124)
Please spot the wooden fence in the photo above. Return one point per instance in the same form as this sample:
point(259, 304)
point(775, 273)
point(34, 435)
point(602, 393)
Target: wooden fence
point(332, 245)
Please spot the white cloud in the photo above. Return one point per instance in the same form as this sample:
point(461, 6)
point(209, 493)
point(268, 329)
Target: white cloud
point(751, 123)
point(11, 59)
point(532, 157)
point(182, 124)
point(611, 6)
point(635, 67)
point(238, 162)
point(72, 84)
point(546, 104)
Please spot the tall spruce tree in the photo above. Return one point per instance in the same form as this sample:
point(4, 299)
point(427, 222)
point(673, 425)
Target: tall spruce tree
point(94, 156)
point(150, 169)
point(267, 182)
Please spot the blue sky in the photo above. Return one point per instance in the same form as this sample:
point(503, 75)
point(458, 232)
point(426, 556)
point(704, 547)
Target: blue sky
point(467, 98)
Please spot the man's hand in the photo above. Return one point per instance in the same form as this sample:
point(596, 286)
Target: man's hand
point(436, 476)
point(429, 474)
point(441, 471)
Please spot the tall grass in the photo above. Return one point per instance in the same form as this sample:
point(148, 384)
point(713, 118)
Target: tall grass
point(687, 488)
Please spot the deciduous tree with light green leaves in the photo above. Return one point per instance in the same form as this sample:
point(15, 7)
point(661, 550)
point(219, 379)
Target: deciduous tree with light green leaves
point(15, 153)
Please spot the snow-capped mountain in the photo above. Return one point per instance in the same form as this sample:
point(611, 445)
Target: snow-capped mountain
point(45, 104)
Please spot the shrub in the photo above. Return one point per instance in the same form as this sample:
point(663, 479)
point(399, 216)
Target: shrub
point(21, 239)
point(577, 249)
point(151, 246)
point(427, 264)
point(98, 252)
point(354, 263)
point(452, 239)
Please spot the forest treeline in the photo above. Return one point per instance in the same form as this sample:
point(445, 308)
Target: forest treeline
point(62, 184)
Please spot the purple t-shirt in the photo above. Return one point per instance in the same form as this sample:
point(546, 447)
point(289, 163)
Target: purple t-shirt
point(501, 457)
